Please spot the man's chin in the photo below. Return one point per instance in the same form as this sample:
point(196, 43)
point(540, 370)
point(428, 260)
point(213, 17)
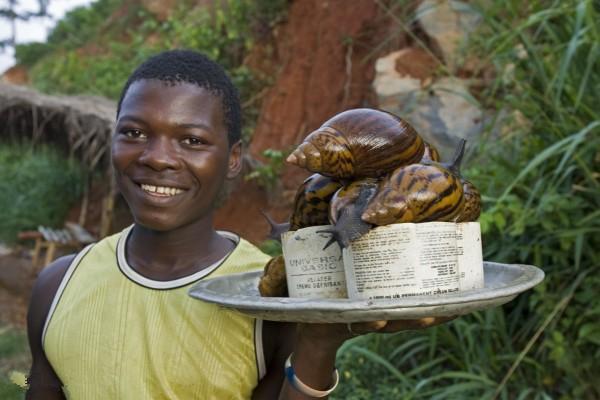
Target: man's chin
point(156, 224)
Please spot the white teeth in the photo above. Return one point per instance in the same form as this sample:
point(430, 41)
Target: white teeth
point(169, 191)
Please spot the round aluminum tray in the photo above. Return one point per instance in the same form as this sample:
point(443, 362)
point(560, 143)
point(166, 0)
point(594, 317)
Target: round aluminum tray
point(503, 282)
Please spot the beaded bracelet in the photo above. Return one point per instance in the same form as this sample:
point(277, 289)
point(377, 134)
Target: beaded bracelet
point(303, 387)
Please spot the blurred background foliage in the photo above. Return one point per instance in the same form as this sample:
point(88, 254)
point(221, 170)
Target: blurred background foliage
point(38, 185)
point(541, 199)
point(90, 50)
point(14, 353)
point(539, 177)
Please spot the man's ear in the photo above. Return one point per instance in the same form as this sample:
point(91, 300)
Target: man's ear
point(235, 160)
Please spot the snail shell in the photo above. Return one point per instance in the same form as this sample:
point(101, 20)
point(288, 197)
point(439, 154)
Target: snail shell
point(346, 209)
point(359, 143)
point(472, 206)
point(273, 283)
point(429, 191)
point(416, 193)
point(311, 205)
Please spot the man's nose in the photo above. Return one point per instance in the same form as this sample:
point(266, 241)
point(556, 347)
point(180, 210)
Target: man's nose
point(160, 154)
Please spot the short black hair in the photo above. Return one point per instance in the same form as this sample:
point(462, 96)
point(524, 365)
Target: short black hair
point(179, 66)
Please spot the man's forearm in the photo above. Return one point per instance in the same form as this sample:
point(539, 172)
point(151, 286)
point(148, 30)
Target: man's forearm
point(44, 393)
point(313, 363)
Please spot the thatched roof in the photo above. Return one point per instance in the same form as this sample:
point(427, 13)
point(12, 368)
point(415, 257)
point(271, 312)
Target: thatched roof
point(81, 125)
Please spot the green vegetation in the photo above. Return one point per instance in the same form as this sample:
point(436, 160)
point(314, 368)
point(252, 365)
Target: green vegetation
point(14, 360)
point(79, 26)
point(541, 202)
point(539, 180)
point(267, 174)
point(37, 187)
point(271, 247)
point(90, 51)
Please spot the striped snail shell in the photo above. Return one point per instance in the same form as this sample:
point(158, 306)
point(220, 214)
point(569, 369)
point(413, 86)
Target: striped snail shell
point(472, 206)
point(416, 193)
point(311, 205)
point(273, 282)
point(428, 191)
point(359, 143)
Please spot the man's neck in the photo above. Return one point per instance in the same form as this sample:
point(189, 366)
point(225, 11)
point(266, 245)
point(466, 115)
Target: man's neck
point(176, 253)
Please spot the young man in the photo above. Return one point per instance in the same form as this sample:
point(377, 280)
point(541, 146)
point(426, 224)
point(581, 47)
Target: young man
point(116, 322)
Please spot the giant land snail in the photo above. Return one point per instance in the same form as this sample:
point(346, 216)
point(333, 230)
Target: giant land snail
point(311, 204)
point(387, 174)
point(422, 192)
point(359, 143)
point(372, 169)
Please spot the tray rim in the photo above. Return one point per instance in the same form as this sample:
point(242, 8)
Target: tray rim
point(530, 277)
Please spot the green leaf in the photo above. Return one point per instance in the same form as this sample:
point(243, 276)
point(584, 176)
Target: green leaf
point(590, 332)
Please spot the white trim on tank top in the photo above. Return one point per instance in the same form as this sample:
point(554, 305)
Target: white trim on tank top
point(62, 286)
point(258, 347)
point(155, 284)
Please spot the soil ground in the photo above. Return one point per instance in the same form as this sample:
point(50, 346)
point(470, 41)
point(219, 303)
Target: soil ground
point(16, 281)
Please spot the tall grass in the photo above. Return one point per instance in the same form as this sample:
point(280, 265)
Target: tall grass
point(14, 358)
point(541, 206)
point(37, 187)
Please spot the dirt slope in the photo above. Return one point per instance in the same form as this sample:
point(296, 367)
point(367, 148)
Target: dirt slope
point(324, 62)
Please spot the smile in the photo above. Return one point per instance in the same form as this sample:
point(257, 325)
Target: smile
point(161, 191)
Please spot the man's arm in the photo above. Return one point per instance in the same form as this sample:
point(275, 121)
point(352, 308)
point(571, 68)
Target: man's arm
point(278, 343)
point(315, 347)
point(42, 380)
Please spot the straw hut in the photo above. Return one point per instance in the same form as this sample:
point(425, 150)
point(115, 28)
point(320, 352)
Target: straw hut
point(80, 125)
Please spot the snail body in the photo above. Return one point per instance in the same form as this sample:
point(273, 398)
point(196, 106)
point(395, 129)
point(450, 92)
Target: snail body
point(311, 205)
point(359, 143)
point(430, 153)
point(276, 228)
point(347, 206)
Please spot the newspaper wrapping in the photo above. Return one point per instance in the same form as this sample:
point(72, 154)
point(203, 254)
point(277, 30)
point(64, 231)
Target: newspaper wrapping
point(389, 262)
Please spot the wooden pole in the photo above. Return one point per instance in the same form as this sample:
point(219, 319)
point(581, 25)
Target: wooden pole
point(108, 206)
point(85, 201)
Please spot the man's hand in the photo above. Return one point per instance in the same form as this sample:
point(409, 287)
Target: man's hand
point(339, 333)
point(316, 346)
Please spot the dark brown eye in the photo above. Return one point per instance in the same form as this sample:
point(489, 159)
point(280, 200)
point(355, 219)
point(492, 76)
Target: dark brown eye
point(194, 141)
point(133, 133)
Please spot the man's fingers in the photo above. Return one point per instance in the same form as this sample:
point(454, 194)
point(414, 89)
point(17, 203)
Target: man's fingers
point(413, 324)
point(359, 328)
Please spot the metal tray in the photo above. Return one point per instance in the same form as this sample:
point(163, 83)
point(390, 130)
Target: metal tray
point(503, 282)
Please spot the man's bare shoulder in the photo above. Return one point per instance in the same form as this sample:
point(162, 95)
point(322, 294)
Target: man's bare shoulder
point(49, 280)
point(43, 382)
point(44, 289)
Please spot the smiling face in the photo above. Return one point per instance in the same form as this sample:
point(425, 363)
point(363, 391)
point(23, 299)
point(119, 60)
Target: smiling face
point(171, 154)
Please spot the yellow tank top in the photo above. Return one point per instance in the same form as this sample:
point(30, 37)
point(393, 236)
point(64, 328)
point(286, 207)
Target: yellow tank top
point(112, 333)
